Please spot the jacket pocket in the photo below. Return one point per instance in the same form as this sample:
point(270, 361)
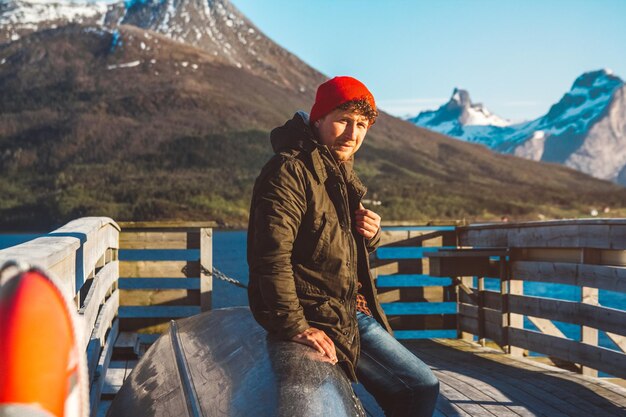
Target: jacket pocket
point(319, 251)
point(320, 314)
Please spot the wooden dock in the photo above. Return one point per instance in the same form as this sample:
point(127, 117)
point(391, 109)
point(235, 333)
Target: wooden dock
point(124, 304)
point(483, 382)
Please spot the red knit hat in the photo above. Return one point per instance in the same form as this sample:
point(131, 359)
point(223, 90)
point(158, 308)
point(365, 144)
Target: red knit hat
point(336, 91)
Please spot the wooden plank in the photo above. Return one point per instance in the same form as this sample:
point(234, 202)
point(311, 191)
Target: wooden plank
point(505, 369)
point(146, 325)
point(513, 320)
point(496, 396)
point(589, 334)
point(166, 225)
point(493, 317)
point(491, 299)
point(390, 236)
point(159, 283)
point(206, 268)
point(563, 255)
point(101, 369)
point(159, 297)
point(517, 380)
point(600, 233)
point(420, 294)
point(468, 310)
point(416, 280)
point(476, 237)
point(105, 317)
point(546, 326)
point(496, 404)
point(467, 295)
point(461, 266)
point(423, 322)
point(596, 357)
point(155, 269)
point(598, 317)
point(469, 253)
point(471, 326)
point(395, 266)
point(113, 379)
point(471, 299)
point(611, 278)
point(160, 240)
point(102, 285)
point(620, 341)
point(445, 408)
point(96, 234)
point(468, 324)
point(411, 238)
point(126, 345)
point(54, 254)
point(462, 401)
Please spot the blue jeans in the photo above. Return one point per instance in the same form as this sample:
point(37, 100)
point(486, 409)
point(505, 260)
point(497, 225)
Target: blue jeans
point(401, 383)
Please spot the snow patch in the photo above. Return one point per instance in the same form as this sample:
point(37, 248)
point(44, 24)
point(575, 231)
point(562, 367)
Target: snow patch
point(480, 116)
point(538, 134)
point(33, 12)
point(125, 65)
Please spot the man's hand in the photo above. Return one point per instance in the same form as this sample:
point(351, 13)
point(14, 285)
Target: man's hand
point(367, 222)
point(318, 340)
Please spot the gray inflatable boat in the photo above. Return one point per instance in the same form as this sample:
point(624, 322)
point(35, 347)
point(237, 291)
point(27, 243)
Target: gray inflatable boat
point(222, 363)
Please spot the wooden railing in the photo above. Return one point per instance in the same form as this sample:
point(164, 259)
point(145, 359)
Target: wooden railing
point(438, 289)
point(587, 254)
point(165, 273)
point(82, 256)
point(417, 304)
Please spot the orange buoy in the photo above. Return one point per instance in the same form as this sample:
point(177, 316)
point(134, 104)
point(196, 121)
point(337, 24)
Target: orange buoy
point(39, 355)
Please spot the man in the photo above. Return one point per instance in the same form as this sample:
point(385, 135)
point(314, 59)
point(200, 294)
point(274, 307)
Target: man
point(309, 238)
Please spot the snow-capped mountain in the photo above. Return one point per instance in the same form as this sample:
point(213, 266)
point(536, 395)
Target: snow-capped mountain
point(461, 118)
point(585, 130)
point(212, 25)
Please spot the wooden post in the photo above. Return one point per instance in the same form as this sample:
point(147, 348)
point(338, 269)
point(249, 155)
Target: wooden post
point(589, 335)
point(206, 268)
point(481, 311)
point(468, 282)
point(515, 287)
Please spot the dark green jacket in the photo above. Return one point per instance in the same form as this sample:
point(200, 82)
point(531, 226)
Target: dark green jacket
point(304, 252)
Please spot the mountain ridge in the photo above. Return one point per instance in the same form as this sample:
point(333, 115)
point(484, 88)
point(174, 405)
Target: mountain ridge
point(131, 124)
point(563, 135)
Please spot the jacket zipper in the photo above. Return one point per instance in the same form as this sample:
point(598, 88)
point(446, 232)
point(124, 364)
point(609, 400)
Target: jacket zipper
point(343, 189)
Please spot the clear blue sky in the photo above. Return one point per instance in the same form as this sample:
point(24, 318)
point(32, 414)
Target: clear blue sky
point(516, 57)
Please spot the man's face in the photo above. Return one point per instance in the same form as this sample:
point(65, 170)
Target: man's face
point(343, 132)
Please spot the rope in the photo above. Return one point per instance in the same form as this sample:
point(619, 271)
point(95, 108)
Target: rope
point(220, 275)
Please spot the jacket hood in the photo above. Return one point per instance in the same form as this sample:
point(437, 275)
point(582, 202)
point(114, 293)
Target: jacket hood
point(295, 134)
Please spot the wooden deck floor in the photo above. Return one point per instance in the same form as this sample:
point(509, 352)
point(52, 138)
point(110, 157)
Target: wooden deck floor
point(481, 382)
point(477, 381)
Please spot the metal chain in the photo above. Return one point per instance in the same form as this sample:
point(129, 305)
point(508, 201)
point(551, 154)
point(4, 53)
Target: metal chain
point(220, 275)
